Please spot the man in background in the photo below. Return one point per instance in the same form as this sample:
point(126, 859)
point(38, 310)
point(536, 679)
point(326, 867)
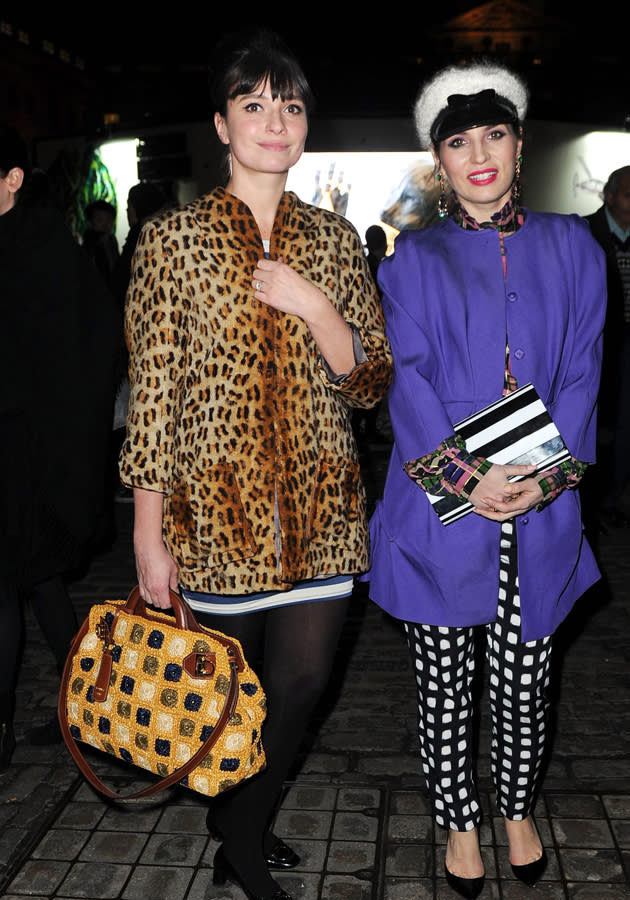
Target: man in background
point(610, 226)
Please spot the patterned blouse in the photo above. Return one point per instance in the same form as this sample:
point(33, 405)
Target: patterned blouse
point(449, 469)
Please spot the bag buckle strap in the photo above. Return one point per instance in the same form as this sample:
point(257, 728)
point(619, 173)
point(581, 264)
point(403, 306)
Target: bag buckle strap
point(101, 686)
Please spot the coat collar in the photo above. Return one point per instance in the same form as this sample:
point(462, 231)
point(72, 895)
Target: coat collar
point(219, 205)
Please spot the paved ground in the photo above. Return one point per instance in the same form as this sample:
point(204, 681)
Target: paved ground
point(356, 809)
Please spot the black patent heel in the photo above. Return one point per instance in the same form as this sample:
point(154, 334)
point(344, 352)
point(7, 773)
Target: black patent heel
point(224, 871)
point(531, 872)
point(281, 856)
point(470, 888)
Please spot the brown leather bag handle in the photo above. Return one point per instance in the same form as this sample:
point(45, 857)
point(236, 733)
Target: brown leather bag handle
point(73, 746)
point(184, 619)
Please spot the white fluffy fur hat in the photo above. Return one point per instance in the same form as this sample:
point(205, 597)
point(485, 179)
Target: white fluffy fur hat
point(467, 80)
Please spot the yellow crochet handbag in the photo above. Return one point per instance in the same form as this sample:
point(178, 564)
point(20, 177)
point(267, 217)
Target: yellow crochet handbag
point(163, 693)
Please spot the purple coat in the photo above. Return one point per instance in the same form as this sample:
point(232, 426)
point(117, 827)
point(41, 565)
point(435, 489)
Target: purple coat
point(448, 310)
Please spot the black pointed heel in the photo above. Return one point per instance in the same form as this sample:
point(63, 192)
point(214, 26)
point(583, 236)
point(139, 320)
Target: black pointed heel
point(281, 856)
point(465, 887)
point(531, 872)
point(224, 871)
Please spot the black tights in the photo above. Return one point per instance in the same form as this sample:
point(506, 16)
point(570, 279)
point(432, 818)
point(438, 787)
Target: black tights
point(52, 607)
point(291, 648)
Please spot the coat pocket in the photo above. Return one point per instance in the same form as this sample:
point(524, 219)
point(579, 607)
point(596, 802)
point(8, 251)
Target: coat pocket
point(338, 499)
point(209, 517)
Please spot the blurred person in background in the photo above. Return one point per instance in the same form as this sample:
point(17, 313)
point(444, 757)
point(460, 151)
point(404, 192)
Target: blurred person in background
point(610, 226)
point(58, 350)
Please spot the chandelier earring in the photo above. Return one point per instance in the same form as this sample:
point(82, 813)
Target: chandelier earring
point(442, 204)
point(516, 184)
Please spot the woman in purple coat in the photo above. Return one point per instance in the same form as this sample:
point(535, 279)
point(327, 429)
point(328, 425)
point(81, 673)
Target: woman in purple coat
point(491, 298)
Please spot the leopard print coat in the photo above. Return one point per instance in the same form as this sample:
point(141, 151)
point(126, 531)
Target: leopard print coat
point(233, 415)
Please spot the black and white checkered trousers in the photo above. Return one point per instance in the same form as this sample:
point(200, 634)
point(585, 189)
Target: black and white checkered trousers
point(444, 666)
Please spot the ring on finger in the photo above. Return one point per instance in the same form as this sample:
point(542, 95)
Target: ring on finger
point(258, 285)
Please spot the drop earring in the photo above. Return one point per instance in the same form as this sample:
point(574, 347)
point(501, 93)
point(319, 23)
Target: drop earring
point(516, 184)
point(442, 204)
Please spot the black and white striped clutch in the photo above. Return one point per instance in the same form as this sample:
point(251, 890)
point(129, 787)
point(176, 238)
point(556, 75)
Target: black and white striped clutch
point(515, 430)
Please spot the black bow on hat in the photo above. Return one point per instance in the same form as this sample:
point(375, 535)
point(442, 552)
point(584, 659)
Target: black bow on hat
point(465, 111)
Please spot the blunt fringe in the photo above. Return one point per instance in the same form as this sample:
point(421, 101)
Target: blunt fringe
point(244, 60)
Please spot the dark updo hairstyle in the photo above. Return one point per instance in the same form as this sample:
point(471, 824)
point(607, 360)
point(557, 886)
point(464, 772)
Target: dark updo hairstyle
point(244, 60)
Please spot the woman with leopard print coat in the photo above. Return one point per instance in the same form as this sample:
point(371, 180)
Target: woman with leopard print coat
point(254, 327)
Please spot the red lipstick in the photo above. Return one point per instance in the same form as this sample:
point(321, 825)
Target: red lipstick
point(483, 176)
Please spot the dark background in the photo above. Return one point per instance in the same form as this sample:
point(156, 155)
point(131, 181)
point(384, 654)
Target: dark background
point(150, 61)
